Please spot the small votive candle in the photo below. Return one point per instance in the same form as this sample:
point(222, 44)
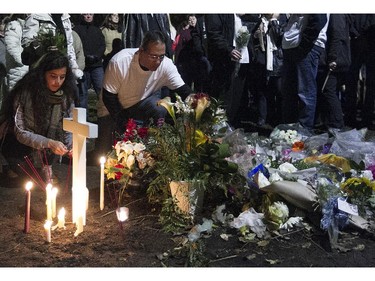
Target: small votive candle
point(122, 214)
point(47, 229)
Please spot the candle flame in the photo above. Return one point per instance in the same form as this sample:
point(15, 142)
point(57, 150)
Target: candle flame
point(61, 213)
point(102, 160)
point(48, 224)
point(29, 185)
point(54, 191)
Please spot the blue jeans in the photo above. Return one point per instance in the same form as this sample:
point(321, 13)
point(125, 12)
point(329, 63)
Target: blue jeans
point(94, 77)
point(299, 90)
point(145, 111)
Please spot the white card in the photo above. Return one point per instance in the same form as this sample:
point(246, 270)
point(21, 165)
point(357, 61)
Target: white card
point(347, 207)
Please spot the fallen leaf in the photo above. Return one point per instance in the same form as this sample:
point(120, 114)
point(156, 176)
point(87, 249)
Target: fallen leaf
point(251, 257)
point(360, 247)
point(272, 261)
point(306, 245)
point(263, 243)
point(224, 236)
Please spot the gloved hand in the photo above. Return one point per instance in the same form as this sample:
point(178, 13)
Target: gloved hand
point(78, 74)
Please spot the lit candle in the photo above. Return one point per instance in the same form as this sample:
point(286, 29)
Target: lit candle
point(61, 218)
point(79, 225)
point(102, 161)
point(53, 201)
point(122, 214)
point(28, 187)
point(48, 201)
point(47, 229)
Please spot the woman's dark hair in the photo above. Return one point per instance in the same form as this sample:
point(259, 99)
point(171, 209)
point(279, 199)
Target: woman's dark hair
point(35, 84)
point(152, 37)
point(111, 25)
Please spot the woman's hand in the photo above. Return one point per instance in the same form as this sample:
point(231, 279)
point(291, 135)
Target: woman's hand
point(57, 147)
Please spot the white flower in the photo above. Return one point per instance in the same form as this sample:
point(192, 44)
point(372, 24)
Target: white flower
point(287, 167)
point(130, 161)
point(367, 174)
point(275, 177)
point(323, 181)
point(138, 147)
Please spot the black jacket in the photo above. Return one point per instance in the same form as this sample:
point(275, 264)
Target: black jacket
point(93, 43)
point(338, 43)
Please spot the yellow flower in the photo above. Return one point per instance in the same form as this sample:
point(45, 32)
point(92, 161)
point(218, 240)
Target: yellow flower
point(169, 106)
point(199, 102)
point(200, 137)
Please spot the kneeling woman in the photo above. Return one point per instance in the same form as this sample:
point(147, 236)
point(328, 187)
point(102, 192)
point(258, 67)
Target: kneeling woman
point(40, 101)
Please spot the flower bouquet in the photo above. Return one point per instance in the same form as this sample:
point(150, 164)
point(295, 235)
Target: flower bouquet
point(242, 39)
point(127, 159)
point(186, 149)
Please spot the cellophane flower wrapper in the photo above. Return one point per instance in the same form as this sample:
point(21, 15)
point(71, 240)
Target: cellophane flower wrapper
point(241, 152)
point(318, 144)
point(352, 144)
point(333, 219)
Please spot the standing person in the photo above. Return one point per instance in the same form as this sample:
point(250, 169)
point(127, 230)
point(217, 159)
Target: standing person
point(362, 46)
point(229, 62)
point(93, 46)
point(334, 65)
point(136, 26)
point(13, 38)
point(80, 57)
point(42, 25)
point(40, 101)
point(15, 70)
point(111, 29)
point(265, 67)
point(190, 56)
point(303, 42)
point(132, 87)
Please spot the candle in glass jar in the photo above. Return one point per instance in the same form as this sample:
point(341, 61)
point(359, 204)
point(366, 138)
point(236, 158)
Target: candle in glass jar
point(28, 187)
point(122, 214)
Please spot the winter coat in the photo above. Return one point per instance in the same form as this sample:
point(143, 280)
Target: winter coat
point(338, 43)
point(80, 54)
point(15, 68)
point(93, 43)
point(109, 35)
point(220, 34)
point(136, 25)
point(43, 23)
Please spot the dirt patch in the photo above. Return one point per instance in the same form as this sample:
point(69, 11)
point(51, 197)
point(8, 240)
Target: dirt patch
point(141, 241)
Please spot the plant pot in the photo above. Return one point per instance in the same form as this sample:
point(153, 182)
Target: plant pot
point(189, 196)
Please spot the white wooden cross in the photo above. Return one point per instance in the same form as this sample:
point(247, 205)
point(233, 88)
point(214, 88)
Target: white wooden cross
point(80, 130)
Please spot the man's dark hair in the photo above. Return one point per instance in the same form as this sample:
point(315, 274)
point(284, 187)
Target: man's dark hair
point(152, 37)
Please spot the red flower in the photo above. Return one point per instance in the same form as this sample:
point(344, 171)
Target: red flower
point(142, 132)
point(118, 174)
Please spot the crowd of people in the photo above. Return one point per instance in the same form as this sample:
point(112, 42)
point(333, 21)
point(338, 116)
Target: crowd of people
point(312, 69)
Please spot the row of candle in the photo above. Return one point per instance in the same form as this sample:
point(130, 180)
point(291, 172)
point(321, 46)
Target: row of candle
point(51, 193)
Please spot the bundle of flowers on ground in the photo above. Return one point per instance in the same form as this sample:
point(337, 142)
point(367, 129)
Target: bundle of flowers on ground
point(128, 158)
point(187, 148)
point(294, 172)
